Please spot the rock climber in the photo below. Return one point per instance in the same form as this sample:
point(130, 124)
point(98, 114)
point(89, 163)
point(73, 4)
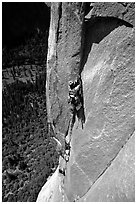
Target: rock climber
point(75, 99)
point(75, 95)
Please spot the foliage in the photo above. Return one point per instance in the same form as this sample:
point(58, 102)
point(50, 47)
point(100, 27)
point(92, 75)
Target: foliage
point(34, 51)
point(28, 152)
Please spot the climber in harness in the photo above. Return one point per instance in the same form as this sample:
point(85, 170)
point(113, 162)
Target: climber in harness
point(75, 96)
point(75, 99)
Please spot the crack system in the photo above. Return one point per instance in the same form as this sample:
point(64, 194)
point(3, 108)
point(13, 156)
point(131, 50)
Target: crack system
point(109, 164)
point(77, 110)
point(65, 148)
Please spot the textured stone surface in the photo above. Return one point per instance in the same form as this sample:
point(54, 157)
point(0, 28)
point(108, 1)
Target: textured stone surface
point(105, 55)
point(108, 81)
point(118, 182)
point(121, 10)
point(51, 190)
point(73, 180)
point(63, 58)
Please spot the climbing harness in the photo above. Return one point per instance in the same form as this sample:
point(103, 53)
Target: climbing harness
point(75, 99)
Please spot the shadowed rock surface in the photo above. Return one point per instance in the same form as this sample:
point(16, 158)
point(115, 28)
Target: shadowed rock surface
point(63, 59)
point(100, 48)
point(122, 10)
point(108, 81)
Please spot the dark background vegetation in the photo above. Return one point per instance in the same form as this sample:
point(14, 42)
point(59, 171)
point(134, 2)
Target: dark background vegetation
point(28, 150)
point(21, 20)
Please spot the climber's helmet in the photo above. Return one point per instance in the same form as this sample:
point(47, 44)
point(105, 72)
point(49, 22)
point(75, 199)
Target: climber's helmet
point(70, 83)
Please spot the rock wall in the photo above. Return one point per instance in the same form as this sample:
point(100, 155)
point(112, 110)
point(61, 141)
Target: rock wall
point(64, 56)
point(95, 41)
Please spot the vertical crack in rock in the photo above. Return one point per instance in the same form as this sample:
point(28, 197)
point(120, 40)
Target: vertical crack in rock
point(83, 173)
point(52, 57)
point(66, 60)
point(76, 101)
point(76, 105)
point(52, 50)
point(109, 164)
point(60, 15)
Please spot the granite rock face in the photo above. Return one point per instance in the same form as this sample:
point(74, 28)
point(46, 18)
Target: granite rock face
point(51, 190)
point(121, 10)
point(64, 56)
point(108, 81)
point(100, 48)
point(117, 183)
